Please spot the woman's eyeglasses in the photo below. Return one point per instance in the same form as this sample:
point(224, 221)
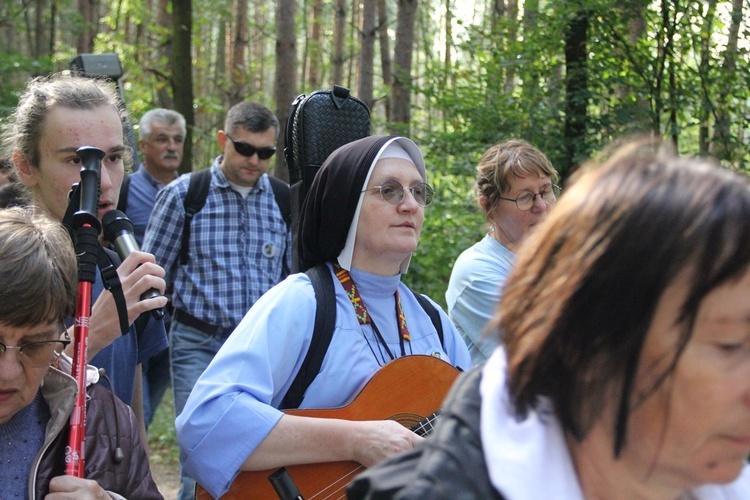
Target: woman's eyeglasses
point(393, 192)
point(37, 354)
point(526, 199)
point(249, 150)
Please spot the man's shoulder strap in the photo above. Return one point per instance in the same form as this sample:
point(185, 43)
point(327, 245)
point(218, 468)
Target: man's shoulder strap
point(325, 319)
point(194, 201)
point(433, 313)
point(283, 198)
point(197, 193)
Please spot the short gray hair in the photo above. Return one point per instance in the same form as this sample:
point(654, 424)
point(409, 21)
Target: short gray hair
point(161, 115)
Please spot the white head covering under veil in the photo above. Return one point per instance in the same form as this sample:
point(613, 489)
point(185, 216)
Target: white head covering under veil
point(398, 147)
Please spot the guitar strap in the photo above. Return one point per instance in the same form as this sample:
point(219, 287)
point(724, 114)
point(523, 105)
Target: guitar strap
point(325, 321)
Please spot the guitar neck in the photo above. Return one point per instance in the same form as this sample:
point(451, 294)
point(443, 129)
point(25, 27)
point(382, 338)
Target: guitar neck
point(426, 425)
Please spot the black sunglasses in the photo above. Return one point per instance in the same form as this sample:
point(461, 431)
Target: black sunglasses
point(249, 150)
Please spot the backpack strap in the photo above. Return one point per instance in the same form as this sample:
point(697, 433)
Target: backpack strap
point(325, 319)
point(283, 198)
point(122, 201)
point(111, 280)
point(433, 313)
point(194, 201)
point(196, 196)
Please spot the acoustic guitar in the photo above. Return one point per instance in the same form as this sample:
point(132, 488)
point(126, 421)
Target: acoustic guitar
point(409, 390)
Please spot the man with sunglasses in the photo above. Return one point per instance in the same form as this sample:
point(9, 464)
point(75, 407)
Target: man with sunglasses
point(238, 246)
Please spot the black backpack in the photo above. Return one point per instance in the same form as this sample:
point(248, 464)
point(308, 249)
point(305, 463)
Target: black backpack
point(325, 319)
point(197, 193)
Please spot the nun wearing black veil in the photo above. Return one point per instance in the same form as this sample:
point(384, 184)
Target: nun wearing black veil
point(361, 219)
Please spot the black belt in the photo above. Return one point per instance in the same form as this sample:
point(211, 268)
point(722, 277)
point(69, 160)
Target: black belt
point(188, 319)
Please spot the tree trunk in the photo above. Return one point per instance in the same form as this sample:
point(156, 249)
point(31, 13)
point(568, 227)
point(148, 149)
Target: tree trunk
point(448, 48)
point(703, 73)
point(89, 10)
point(39, 21)
point(52, 29)
point(286, 85)
point(220, 65)
point(182, 72)
point(306, 47)
point(367, 54)
point(401, 91)
point(164, 50)
point(351, 43)
point(237, 90)
point(532, 78)
point(576, 90)
point(259, 49)
point(316, 62)
point(385, 53)
point(722, 139)
point(510, 37)
point(339, 33)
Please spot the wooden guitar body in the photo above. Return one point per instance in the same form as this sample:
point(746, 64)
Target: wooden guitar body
point(409, 390)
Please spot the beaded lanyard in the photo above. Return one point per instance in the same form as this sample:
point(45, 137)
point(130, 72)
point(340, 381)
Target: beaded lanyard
point(360, 310)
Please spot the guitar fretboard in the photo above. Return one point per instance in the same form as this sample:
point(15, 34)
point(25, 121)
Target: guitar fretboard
point(426, 425)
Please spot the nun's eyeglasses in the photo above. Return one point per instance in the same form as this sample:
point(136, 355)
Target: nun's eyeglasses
point(393, 192)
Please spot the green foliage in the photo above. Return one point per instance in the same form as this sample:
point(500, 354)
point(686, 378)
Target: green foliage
point(453, 222)
point(15, 70)
point(162, 440)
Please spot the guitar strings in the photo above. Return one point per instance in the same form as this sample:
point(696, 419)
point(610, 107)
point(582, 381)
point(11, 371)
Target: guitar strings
point(340, 488)
point(426, 426)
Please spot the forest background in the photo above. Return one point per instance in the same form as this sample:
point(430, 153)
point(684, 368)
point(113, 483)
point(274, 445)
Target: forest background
point(570, 76)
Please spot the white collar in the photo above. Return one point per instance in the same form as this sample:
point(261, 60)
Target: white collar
point(526, 459)
point(530, 459)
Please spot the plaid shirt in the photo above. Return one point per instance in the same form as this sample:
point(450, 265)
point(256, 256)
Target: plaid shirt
point(239, 249)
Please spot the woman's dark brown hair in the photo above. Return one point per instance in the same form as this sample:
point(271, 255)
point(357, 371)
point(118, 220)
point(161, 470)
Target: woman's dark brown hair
point(578, 304)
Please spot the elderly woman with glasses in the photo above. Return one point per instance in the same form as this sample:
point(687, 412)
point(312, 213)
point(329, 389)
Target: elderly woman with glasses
point(39, 276)
point(361, 221)
point(516, 188)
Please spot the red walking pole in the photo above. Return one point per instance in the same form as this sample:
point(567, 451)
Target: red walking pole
point(87, 228)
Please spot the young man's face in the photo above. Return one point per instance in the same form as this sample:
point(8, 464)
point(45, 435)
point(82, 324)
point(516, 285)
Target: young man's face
point(63, 132)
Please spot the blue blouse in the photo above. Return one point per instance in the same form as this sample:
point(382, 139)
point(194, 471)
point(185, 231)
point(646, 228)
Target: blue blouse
point(233, 406)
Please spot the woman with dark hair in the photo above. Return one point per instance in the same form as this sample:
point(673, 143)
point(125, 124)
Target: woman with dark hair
point(625, 371)
point(361, 220)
